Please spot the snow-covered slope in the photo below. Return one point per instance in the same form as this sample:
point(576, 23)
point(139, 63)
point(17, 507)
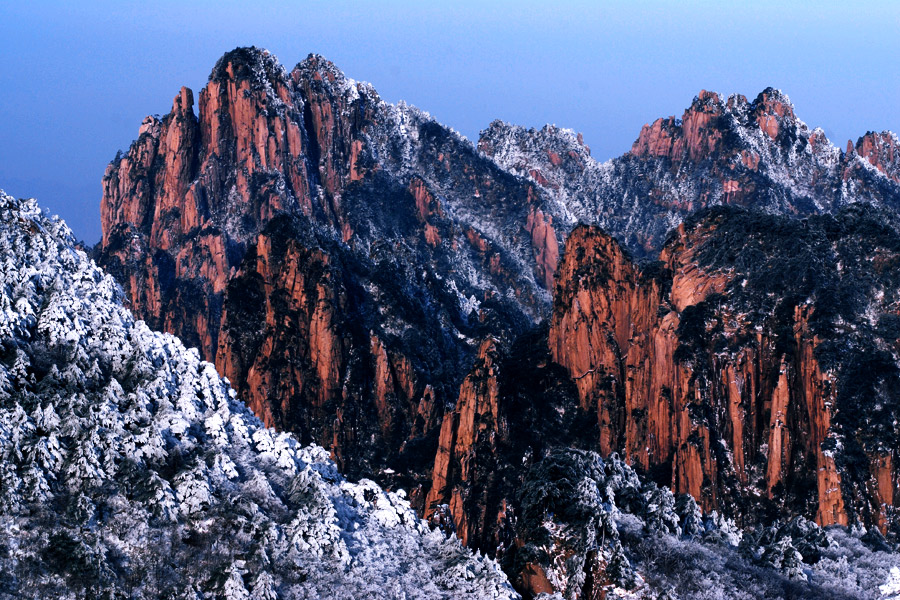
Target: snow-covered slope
point(128, 469)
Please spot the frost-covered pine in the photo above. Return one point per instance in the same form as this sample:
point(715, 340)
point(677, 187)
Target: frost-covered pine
point(659, 514)
point(782, 555)
point(234, 588)
point(264, 588)
point(690, 518)
point(192, 491)
point(891, 588)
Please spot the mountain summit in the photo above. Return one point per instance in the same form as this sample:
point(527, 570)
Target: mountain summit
point(339, 258)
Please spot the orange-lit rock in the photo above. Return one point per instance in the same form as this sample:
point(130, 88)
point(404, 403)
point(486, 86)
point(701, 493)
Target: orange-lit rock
point(182, 216)
point(546, 248)
point(884, 492)
point(695, 138)
point(751, 159)
point(534, 581)
point(616, 331)
point(882, 150)
point(473, 422)
point(772, 109)
point(292, 229)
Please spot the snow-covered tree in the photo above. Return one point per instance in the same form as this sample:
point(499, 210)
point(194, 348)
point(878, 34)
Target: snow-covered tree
point(890, 590)
point(264, 587)
point(234, 588)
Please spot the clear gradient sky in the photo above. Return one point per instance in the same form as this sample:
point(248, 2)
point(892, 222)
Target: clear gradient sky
point(77, 78)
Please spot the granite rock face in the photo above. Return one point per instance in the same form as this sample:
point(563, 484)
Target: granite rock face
point(882, 150)
point(754, 367)
point(735, 367)
point(718, 423)
point(336, 256)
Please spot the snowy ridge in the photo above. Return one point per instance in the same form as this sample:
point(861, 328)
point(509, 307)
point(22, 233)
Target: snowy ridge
point(395, 143)
point(349, 88)
point(129, 469)
point(724, 151)
point(515, 148)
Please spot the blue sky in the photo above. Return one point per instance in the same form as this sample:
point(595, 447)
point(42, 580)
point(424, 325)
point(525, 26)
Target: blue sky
point(77, 80)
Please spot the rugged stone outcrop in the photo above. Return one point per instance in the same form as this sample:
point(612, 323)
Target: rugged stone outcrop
point(514, 407)
point(882, 150)
point(302, 362)
point(411, 229)
point(337, 256)
point(475, 422)
point(754, 367)
point(704, 377)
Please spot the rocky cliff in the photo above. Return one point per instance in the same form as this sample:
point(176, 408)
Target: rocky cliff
point(336, 256)
point(340, 258)
point(754, 368)
point(691, 386)
point(721, 151)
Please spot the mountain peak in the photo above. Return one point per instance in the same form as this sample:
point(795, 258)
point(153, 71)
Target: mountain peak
point(772, 108)
point(183, 102)
point(722, 150)
point(706, 97)
point(318, 64)
point(700, 131)
point(772, 94)
point(318, 72)
point(253, 64)
point(882, 150)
